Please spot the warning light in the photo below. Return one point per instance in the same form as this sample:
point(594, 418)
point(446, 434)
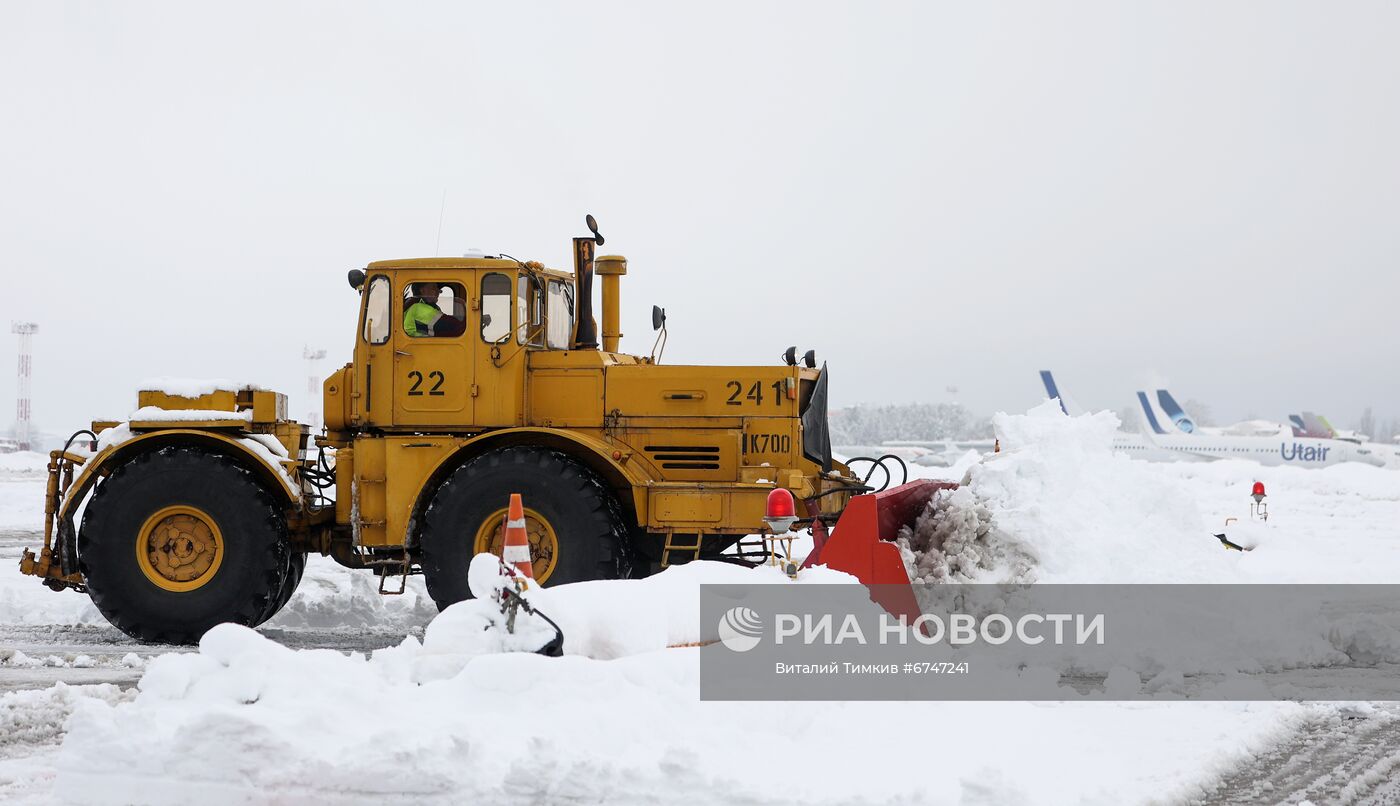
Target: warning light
point(780, 514)
point(1258, 509)
point(781, 511)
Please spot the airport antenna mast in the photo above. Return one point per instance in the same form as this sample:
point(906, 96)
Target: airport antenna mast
point(23, 423)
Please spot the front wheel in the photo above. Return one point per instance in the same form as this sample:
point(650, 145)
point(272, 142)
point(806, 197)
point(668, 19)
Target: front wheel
point(179, 540)
point(575, 526)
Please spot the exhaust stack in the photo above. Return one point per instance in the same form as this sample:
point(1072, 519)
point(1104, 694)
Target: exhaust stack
point(611, 268)
point(585, 327)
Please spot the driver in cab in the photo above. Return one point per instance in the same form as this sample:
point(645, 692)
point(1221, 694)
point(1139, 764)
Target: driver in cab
point(423, 317)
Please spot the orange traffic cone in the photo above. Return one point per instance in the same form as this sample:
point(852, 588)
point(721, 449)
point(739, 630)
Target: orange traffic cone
point(517, 546)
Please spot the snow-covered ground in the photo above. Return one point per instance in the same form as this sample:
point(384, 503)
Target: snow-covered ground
point(619, 719)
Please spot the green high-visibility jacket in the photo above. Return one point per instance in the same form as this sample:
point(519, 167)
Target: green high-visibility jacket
point(419, 319)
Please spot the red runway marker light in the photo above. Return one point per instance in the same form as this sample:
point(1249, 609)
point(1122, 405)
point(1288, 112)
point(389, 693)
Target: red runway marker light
point(781, 511)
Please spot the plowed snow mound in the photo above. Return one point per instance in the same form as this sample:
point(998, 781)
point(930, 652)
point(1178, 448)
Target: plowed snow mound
point(955, 540)
point(1057, 505)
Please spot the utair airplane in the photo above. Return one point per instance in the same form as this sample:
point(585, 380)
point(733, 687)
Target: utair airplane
point(1169, 432)
point(1308, 424)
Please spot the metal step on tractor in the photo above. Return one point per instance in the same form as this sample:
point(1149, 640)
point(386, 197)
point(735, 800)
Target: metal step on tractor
point(472, 378)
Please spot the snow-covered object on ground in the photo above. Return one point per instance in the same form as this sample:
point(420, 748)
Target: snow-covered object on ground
point(1248, 535)
point(602, 620)
point(193, 387)
point(480, 626)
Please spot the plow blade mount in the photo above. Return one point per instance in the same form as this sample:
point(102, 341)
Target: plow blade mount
point(862, 543)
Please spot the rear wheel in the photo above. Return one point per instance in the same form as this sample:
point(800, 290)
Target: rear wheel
point(574, 523)
point(178, 540)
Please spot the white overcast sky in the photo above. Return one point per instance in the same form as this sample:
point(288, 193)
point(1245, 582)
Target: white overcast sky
point(929, 194)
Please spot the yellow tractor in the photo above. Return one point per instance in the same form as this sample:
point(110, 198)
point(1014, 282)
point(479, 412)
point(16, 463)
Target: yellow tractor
point(472, 378)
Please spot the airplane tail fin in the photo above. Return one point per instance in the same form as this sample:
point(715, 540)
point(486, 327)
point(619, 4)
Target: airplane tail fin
point(1149, 418)
point(1318, 426)
point(1178, 415)
point(1067, 405)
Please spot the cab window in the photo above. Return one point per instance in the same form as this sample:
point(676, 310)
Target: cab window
point(559, 315)
point(529, 312)
point(376, 329)
point(434, 310)
point(496, 304)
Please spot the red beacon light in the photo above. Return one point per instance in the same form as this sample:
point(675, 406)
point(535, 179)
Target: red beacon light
point(781, 511)
point(1258, 492)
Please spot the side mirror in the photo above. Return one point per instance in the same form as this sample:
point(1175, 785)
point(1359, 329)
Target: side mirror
point(593, 228)
point(356, 278)
point(658, 323)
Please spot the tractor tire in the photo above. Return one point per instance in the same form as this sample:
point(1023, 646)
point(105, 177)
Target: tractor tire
point(296, 567)
point(179, 540)
point(576, 526)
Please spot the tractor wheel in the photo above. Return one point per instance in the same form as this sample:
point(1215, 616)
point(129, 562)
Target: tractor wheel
point(576, 528)
point(178, 540)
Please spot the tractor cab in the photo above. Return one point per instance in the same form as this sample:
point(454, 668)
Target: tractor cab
point(441, 342)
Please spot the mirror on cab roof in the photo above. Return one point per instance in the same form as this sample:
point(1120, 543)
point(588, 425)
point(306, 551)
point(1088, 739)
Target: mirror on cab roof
point(593, 228)
point(658, 317)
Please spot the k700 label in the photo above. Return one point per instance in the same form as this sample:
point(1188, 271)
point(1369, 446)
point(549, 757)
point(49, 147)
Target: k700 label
point(767, 443)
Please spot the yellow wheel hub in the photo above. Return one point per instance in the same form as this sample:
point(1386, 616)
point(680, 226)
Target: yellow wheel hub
point(544, 543)
point(179, 548)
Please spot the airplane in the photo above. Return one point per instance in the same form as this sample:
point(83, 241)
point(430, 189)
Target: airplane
point(1134, 445)
point(1309, 424)
point(1170, 432)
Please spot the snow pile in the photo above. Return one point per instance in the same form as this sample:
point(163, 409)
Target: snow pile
point(18, 659)
point(265, 720)
point(36, 717)
point(25, 601)
point(953, 541)
point(1057, 505)
point(23, 465)
point(331, 596)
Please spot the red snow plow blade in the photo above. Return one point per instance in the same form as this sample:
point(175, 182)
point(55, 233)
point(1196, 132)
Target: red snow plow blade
point(862, 543)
